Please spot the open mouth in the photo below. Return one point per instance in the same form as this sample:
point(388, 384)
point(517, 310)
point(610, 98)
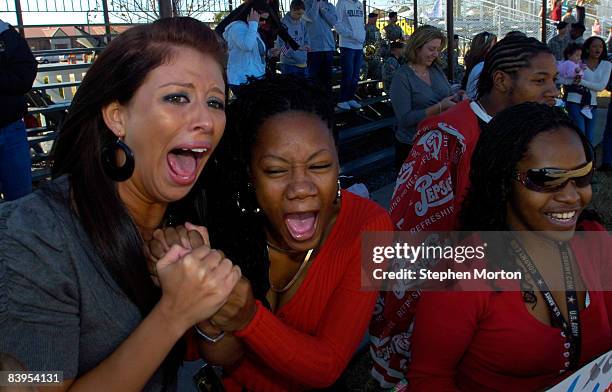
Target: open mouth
point(302, 225)
point(567, 218)
point(183, 163)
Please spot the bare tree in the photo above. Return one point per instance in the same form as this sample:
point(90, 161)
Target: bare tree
point(143, 11)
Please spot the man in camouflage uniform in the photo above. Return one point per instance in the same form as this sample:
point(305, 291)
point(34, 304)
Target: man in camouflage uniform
point(393, 32)
point(373, 63)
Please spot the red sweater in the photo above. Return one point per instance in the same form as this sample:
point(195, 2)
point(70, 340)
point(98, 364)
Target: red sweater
point(434, 179)
point(484, 341)
point(309, 341)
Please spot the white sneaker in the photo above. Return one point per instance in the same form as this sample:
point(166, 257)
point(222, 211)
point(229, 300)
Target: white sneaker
point(344, 105)
point(586, 112)
point(354, 104)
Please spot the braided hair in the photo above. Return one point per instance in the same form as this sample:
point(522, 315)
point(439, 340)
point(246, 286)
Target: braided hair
point(234, 225)
point(497, 154)
point(509, 55)
point(496, 157)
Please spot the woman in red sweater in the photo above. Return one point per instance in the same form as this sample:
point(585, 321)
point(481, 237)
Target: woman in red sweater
point(276, 206)
point(531, 172)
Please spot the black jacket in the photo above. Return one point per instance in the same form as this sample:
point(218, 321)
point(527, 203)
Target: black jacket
point(17, 73)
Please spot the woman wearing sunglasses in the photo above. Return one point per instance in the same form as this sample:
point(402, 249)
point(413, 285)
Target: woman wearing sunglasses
point(531, 172)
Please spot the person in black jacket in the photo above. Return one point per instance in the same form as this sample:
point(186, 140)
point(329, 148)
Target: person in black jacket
point(17, 72)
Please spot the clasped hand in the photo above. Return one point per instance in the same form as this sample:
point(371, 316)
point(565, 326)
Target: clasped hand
point(173, 244)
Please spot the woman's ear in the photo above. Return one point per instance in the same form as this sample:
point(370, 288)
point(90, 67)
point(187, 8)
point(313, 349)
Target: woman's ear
point(113, 118)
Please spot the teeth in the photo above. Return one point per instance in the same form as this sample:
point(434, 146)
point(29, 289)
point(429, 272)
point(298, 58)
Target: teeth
point(196, 150)
point(563, 215)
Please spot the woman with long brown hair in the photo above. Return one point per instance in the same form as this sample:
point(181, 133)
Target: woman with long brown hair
point(419, 88)
point(76, 292)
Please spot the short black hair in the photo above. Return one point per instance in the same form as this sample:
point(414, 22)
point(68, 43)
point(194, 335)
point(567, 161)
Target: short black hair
point(297, 5)
point(578, 26)
point(561, 25)
point(515, 33)
point(571, 49)
point(392, 14)
point(372, 15)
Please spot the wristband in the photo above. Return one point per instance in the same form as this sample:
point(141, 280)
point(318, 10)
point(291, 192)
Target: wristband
point(206, 338)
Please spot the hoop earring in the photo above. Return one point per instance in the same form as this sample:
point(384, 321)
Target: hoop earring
point(244, 207)
point(109, 161)
point(338, 193)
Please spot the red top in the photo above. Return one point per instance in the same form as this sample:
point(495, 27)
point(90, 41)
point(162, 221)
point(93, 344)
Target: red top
point(309, 341)
point(555, 14)
point(483, 341)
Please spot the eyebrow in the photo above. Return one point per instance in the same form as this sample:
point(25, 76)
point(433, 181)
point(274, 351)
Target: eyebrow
point(191, 86)
point(188, 85)
point(544, 73)
point(218, 90)
point(271, 156)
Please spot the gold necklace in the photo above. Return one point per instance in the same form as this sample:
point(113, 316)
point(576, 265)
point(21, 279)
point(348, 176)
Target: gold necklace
point(295, 277)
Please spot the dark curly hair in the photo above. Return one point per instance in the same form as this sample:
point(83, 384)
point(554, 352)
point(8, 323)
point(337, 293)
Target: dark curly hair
point(240, 234)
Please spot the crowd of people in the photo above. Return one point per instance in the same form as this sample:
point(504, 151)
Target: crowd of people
point(182, 225)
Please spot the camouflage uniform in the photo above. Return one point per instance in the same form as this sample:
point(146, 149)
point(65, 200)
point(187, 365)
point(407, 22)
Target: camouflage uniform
point(373, 66)
point(393, 33)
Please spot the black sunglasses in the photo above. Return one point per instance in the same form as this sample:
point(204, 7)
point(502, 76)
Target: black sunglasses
point(550, 180)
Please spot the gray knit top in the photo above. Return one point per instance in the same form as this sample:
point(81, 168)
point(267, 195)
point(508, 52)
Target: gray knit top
point(60, 309)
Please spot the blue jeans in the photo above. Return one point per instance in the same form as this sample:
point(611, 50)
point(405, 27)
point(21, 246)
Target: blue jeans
point(587, 126)
point(607, 140)
point(15, 164)
point(287, 69)
point(351, 60)
point(320, 68)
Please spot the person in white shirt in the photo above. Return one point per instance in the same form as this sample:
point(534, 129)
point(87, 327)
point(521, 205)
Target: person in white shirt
point(596, 77)
point(351, 29)
point(246, 48)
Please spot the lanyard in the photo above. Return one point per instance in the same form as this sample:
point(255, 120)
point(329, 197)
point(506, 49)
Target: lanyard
point(571, 331)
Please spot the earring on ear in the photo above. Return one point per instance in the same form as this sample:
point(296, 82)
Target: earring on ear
point(245, 206)
point(338, 193)
point(109, 161)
